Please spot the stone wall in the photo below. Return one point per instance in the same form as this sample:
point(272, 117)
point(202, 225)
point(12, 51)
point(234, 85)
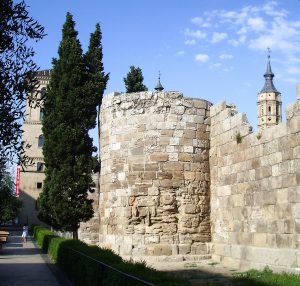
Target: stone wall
point(89, 231)
point(154, 181)
point(255, 190)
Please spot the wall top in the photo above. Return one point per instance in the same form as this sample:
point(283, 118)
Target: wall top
point(118, 98)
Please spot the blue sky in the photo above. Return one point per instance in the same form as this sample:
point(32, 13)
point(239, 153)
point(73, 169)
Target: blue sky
point(214, 49)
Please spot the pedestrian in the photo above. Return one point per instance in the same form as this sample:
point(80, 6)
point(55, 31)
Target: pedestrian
point(25, 232)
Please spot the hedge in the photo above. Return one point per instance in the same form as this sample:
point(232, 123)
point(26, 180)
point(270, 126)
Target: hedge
point(80, 263)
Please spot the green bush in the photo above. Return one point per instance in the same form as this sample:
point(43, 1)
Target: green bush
point(80, 263)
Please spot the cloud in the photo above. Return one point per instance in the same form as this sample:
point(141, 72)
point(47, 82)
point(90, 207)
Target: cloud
point(190, 42)
point(256, 24)
point(203, 58)
point(180, 53)
point(195, 33)
point(218, 37)
point(225, 57)
point(199, 21)
point(255, 27)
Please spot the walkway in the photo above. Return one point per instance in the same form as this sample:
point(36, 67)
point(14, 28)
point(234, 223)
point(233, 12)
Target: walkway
point(24, 264)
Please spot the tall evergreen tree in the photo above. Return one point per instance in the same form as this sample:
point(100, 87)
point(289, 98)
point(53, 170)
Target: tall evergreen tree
point(134, 80)
point(75, 91)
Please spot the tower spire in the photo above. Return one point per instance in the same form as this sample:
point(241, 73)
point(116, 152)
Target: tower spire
point(159, 87)
point(269, 86)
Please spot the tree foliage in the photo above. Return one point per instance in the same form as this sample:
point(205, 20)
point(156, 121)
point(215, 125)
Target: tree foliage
point(10, 205)
point(16, 74)
point(70, 110)
point(134, 80)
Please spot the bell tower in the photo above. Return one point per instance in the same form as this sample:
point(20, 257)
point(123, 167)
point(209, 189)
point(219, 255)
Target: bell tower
point(32, 176)
point(269, 101)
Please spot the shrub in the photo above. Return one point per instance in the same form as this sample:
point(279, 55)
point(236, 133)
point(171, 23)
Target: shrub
point(238, 138)
point(81, 264)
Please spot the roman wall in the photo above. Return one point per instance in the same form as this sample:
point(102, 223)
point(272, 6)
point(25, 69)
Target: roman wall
point(89, 230)
point(255, 190)
point(155, 176)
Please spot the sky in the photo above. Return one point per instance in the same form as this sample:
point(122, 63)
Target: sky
point(215, 50)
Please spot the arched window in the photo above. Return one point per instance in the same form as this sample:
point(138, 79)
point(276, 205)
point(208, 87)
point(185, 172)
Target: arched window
point(262, 110)
point(41, 141)
point(40, 166)
point(269, 110)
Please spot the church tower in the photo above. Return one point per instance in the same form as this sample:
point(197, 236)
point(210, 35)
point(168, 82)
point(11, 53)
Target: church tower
point(269, 101)
point(32, 176)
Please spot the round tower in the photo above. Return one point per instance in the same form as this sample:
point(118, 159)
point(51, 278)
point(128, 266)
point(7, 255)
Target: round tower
point(155, 176)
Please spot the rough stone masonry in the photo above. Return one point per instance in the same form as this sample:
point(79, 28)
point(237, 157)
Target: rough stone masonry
point(154, 182)
point(179, 174)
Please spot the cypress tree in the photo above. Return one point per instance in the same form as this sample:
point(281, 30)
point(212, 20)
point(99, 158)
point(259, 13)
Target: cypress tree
point(134, 80)
point(75, 91)
point(97, 79)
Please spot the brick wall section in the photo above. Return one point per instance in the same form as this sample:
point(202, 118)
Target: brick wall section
point(255, 190)
point(154, 181)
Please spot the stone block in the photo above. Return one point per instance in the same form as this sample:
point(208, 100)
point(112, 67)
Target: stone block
point(184, 249)
point(173, 157)
point(174, 141)
point(285, 241)
point(159, 157)
point(150, 239)
point(175, 250)
point(162, 250)
point(294, 195)
point(199, 248)
point(296, 210)
point(137, 151)
point(260, 239)
point(173, 166)
point(151, 167)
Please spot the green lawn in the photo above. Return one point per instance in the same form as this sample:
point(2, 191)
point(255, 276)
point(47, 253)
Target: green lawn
point(265, 278)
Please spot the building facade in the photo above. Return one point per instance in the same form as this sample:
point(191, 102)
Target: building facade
point(32, 176)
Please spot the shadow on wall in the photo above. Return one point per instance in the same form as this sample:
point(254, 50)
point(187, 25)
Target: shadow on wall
point(28, 213)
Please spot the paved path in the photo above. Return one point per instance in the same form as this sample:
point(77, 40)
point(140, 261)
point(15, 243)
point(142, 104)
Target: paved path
point(24, 264)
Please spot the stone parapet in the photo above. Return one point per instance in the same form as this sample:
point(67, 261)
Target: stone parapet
point(155, 174)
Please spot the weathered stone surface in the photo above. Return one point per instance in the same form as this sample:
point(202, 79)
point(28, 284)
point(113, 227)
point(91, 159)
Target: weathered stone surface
point(152, 176)
point(254, 190)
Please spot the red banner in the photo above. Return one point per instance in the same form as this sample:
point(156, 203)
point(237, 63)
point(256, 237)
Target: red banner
point(18, 181)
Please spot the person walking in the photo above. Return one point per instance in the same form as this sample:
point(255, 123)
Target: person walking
point(25, 232)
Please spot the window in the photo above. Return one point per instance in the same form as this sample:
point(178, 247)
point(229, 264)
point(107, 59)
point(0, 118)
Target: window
point(269, 110)
point(39, 185)
point(41, 141)
point(262, 111)
point(41, 114)
point(40, 166)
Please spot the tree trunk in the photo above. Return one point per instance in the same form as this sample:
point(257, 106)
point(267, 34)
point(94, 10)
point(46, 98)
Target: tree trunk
point(75, 234)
